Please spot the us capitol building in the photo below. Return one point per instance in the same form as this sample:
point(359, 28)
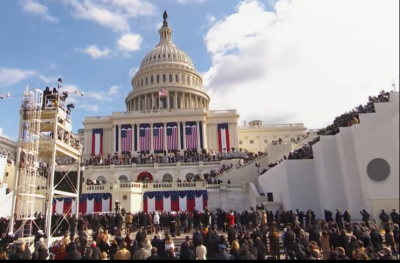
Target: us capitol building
point(168, 112)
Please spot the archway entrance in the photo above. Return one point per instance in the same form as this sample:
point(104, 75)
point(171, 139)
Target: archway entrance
point(189, 176)
point(168, 178)
point(101, 179)
point(123, 178)
point(145, 177)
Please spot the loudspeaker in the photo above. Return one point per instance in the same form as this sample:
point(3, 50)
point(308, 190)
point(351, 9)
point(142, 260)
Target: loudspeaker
point(270, 197)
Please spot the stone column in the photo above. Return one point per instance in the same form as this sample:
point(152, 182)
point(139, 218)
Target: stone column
point(137, 138)
point(151, 139)
point(183, 101)
point(88, 142)
point(152, 101)
point(179, 135)
point(176, 100)
point(165, 137)
point(119, 138)
point(145, 102)
point(114, 134)
point(198, 134)
point(205, 141)
point(168, 101)
point(184, 135)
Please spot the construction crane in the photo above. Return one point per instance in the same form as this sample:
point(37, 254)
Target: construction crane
point(33, 191)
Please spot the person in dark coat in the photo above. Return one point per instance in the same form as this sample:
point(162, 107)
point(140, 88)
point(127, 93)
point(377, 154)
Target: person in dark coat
point(231, 235)
point(160, 245)
point(187, 250)
point(154, 255)
point(88, 254)
point(288, 240)
point(73, 254)
point(261, 249)
point(197, 238)
point(96, 252)
point(223, 254)
point(171, 254)
point(245, 253)
point(376, 239)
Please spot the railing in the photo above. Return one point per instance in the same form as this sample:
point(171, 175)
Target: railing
point(223, 186)
point(150, 165)
point(140, 187)
point(274, 126)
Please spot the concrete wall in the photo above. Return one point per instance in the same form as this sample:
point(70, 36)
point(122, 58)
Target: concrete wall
point(337, 177)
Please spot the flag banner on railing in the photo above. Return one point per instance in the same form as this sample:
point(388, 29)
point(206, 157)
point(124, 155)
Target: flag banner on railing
point(97, 141)
point(88, 203)
point(175, 200)
point(126, 138)
point(223, 137)
point(144, 137)
point(191, 135)
point(172, 136)
point(158, 137)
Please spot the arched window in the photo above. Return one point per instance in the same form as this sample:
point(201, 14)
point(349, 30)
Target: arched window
point(189, 176)
point(176, 78)
point(151, 80)
point(158, 78)
point(101, 179)
point(123, 178)
point(147, 81)
point(164, 78)
point(168, 178)
point(170, 77)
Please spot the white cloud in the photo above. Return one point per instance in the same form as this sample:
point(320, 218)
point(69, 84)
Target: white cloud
point(130, 42)
point(10, 76)
point(88, 107)
point(158, 26)
point(132, 72)
point(113, 14)
point(2, 134)
point(95, 52)
point(48, 80)
point(210, 19)
point(35, 8)
point(104, 96)
point(306, 61)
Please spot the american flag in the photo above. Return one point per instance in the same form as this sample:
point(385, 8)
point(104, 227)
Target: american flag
point(191, 137)
point(144, 138)
point(126, 140)
point(163, 93)
point(172, 138)
point(158, 138)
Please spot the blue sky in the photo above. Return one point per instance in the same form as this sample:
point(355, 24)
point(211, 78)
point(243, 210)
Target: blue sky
point(275, 51)
point(48, 43)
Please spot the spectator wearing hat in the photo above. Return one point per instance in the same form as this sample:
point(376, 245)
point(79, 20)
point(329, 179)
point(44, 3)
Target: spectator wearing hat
point(245, 253)
point(223, 254)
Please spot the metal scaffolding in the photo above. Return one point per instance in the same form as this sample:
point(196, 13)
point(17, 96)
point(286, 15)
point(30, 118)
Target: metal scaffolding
point(46, 145)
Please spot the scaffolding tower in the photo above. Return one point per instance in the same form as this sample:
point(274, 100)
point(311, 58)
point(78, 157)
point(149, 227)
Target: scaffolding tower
point(46, 145)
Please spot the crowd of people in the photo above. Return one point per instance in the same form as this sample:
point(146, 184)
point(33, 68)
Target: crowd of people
point(352, 117)
point(257, 234)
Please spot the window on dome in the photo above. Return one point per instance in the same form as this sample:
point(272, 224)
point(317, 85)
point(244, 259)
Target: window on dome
point(138, 84)
point(173, 55)
point(176, 78)
point(151, 80)
point(158, 78)
point(147, 81)
point(164, 78)
point(169, 55)
point(265, 141)
point(170, 77)
point(159, 56)
point(240, 142)
point(163, 55)
point(251, 142)
point(154, 57)
point(141, 82)
point(179, 103)
point(150, 59)
point(171, 102)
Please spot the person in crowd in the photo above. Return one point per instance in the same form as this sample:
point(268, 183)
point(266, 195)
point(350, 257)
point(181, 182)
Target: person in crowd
point(201, 252)
point(123, 253)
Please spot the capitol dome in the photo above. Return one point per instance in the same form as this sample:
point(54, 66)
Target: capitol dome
point(167, 69)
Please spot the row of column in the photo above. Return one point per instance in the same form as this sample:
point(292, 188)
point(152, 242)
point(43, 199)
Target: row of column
point(174, 100)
